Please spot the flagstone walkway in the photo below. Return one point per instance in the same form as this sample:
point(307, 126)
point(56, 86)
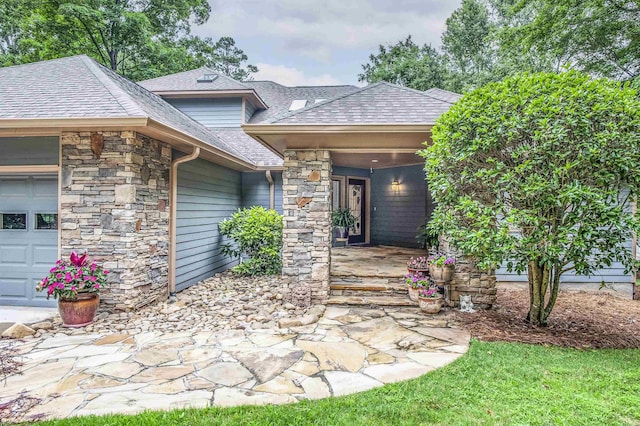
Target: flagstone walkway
point(349, 350)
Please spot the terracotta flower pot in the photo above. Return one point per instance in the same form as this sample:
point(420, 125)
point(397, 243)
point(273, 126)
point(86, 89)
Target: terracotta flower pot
point(430, 305)
point(413, 293)
point(441, 274)
point(78, 312)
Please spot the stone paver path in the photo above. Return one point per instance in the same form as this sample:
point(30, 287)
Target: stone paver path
point(349, 350)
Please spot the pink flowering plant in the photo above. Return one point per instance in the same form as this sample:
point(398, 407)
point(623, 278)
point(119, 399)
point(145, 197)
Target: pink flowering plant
point(418, 263)
point(429, 293)
point(416, 281)
point(440, 259)
point(70, 277)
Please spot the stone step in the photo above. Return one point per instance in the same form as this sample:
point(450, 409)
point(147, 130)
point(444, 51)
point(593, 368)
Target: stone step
point(370, 287)
point(372, 300)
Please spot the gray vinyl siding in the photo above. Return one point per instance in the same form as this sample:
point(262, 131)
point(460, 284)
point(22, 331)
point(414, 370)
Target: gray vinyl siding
point(614, 274)
point(397, 215)
point(222, 112)
point(255, 190)
point(207, 194)
point(40, 150)
point(249, 109)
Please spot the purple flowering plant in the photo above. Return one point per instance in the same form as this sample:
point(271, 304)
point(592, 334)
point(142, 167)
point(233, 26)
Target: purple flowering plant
point(70, 277)
point(440, 259)
point(418, 263)
point(416, 281)
point(429, 293)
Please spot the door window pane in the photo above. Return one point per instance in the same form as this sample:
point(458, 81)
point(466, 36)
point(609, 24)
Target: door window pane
point(46, 221)
point(336, 196)
point(13, 220)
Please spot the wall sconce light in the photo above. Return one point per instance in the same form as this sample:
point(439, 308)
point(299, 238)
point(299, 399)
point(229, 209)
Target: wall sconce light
point(395, 185)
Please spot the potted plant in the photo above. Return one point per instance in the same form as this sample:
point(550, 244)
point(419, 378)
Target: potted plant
point(76, 284)
point(430, 300)
point(441, 268)
point(418, 266)
point(415, 283)
point(342, 220)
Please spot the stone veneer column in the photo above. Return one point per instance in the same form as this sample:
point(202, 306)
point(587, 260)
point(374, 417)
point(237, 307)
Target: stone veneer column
point(306, 250)
point(114, 205)
point(471, 281)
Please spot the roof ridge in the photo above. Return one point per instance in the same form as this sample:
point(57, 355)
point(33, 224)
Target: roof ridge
point(205, 68)
point(443, 90)
point(325, 102)
point(123, 98)
point(420, 92)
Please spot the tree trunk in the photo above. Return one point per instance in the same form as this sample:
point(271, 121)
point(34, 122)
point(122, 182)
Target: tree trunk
point(542, 279)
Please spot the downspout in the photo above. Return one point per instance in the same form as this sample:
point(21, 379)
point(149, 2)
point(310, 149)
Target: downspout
point(272, 191)
point(173, 202)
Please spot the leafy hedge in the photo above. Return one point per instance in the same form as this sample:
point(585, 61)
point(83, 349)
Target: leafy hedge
point(257, 234)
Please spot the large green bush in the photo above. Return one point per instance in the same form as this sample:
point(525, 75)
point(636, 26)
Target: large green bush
point(538, 172)
point(257, 234)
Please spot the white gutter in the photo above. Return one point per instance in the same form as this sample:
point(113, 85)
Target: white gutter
point(272, 190)
point(173, 202)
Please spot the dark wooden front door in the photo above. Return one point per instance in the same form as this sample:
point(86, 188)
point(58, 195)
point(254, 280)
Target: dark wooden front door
point(356, 199)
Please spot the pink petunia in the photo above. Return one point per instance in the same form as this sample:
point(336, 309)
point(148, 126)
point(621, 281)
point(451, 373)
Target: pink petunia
point(92, 278)
point(68, 278)
point(104, 271)
point(52, 270)
point(59, 276)
point(93, 267)
point(73, 288)
point(97, 286)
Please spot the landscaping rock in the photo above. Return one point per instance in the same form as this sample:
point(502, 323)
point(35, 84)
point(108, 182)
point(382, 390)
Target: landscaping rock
point(222, 302)
point(18, 331)
point(44, 325)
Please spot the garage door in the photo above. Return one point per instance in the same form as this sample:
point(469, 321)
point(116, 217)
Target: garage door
point(28, 237)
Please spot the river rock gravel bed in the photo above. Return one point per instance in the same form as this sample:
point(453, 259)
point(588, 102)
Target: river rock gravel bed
point(222, 302)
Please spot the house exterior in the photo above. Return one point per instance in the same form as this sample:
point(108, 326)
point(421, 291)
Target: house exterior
point(140, 175)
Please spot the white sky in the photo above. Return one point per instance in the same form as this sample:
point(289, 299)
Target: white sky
point(307, 42)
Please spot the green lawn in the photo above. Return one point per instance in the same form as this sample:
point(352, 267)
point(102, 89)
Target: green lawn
point(495, 383)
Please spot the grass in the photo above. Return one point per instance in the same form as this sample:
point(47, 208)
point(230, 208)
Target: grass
point(495, 383)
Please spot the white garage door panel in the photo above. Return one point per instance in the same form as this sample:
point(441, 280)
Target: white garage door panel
point(14, 287)
point(26, 255)
point(14, 255)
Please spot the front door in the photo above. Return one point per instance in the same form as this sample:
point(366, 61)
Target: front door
point(356, 198)
point(28, 237)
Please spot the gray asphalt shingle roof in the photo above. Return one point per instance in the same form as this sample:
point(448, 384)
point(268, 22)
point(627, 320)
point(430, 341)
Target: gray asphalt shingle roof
point(188, 81)
point(248, 146)
point(79, 87)
point(374, 104)
point(443, 95)
point(279, 97)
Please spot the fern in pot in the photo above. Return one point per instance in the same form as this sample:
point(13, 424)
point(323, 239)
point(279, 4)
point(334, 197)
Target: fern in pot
point(343, 220)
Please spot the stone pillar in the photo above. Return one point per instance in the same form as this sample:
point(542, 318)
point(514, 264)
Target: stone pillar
point(114, 205)
point(468, 280)
point(306, 250)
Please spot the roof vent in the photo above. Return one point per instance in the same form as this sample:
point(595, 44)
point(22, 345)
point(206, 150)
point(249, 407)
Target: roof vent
point(207, 78)
point(298, 104)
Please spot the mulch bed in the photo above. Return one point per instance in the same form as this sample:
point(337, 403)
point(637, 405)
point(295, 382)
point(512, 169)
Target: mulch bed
point(580, 319)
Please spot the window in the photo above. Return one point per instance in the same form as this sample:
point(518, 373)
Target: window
point(297, 104)
point(46, 221)
point(337, 197)
point(13, 221)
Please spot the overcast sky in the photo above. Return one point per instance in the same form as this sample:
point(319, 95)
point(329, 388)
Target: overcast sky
point(307, 42)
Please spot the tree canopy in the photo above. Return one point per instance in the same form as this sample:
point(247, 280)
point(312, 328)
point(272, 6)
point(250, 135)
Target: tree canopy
point(488, 40)
point(538, 172)
point(137, 38)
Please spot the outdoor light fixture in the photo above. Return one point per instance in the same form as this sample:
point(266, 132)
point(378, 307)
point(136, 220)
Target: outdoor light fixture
point(395, 185)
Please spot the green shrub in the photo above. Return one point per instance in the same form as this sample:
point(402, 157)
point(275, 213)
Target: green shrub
point(257, 234)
